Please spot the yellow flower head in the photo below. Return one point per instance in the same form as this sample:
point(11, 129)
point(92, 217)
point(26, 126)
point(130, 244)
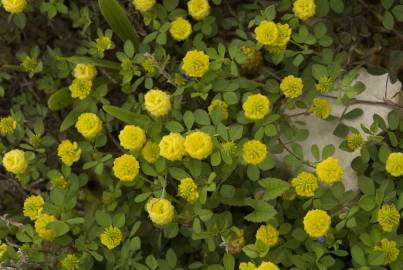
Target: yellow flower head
point(305, 184)
point(253, 61)
point(324, 84)
point(160, 210)
point(15, 162)
point(148, 65)
point(390, 249)
point(187, 189)
point(354, 141)
point(111, 237)
point(70, 262)
point(89, 125)
point(254, 152)
point(85, 72)
point(195, 63)
point(151, 152)
point(329, 170)
point(266, 32)
point(291, 86)
point(267, 266)
point(236, 241)
point(172, 146)
point(41, 227)
point(256, 107)
point(33, 206)
point(80, 88)
point(304, 9)
point(199, 9)
point(388, 217)
point(7, 125)
point(126, 168)
point(103, 43)
point(180, 29)
point(218, 103)
point(69, 152)
point(3, 249)
point(198, 145)
point(14, 6)
point(394, 164)
point(132, 137)
point(247, 266)
point(267, 234)
point(284, 34)
point(317, 223)
point(320, 108)
point(157, 102)
point(143, 5)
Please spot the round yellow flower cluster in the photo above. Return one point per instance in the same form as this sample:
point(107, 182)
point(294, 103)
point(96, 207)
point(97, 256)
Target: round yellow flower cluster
point(85, 72)
point(3, 249)
point(324, 84)
point(69, 152)
point(291, 86)
point(172, 146)
point(329, 170)
point(103, 43)
point(283, 37)
point(180, 29)
point(41, 227)
point(160, 210)
point(195, 63)
point(198, 145)
point(317, 223)
point(126, 168)
point(320, 108)
point(247, 266)
point(132, 137)
point(304, 9)
point(256, 107)
point(187, 189)
point(222, 105)
point(7, 125)
point(151, 152)
point(14, 6)
point(394, 164)
point(262, 266)
point(157, 102)
point(389, 247)
point(268, 235)
point(70, 262)
point(254, 152)
point(305, 184)
point(199, 9)
point(253, 61)
point(33, 206)
point(388, 217)
point(274, 36)
point(81, 86)
point(15, 162)
point(111, 237)
point(143, 5)
point(89, 125)
point(354, 141)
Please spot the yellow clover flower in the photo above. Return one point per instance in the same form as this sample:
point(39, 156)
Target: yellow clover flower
point(160, 210)
point(284, 35)
point(266, 32)
point(103, 43)
point(85, 72)
point(172, 146)
point(247, 266)
point(195, 63)
point(267, 266)
point(268, 235)
point(199, 9)
point(143, 5)
point(329, 170)
point(305, 184)
point(126, 168)
point(69, 152)
point(132, 137)
point(70, 262)
point(198, 145)
point(394, 164)
point(111, 237)
point(317, 223)
point(7, 125)
point(304, 9)
point(3, 249)
point(324, 84)
point(151, 152)
point(253, 61)
point(33, 206)
point(256, 106)
point(187, 189)
point(389, 247)
point(291, 86)
point(157, 102)
point(320, 108)
point(41, 227)
point(388, 217)
point(14, 6)
point(15, 162)
point(80, 88)
point(89, 125)
point(236, 241)
point(180, 29)
point(354, 141)
point(218, 103)
point(254, 152)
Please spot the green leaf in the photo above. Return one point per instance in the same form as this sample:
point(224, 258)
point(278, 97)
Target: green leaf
point(388, 21)
point(384, 153)
point(60, 99)
point(387, 3)
point(376, 258)
point(328, 151)
point(229, 262)
point(393, 120)
point(337, 5)
point(398, 12)
point(103, 218)
point(59, 227)
point(263, 211)
point(92, 61)
point(174, 126)
point(128, 116)
point(319, 71)
point(358, 255)
point(118, 20)
point(188, 119)
point(69, 120)
point(274, 187)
